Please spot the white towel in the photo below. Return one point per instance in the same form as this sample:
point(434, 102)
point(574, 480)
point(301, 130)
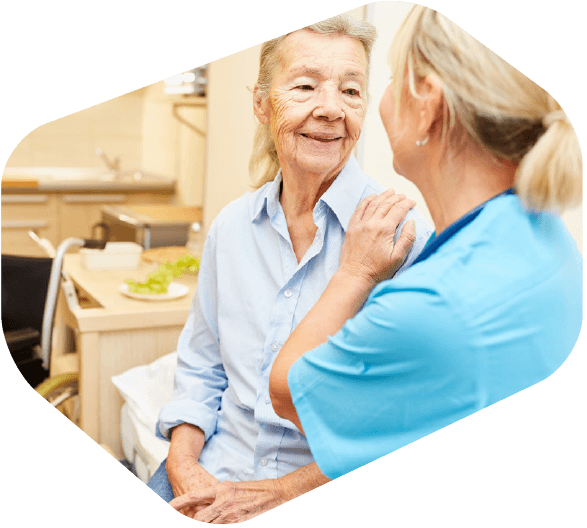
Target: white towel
point(147, 388)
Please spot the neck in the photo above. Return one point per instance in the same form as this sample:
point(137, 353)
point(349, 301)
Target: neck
point(301, 191)
point(453, 189)
point(299, 195)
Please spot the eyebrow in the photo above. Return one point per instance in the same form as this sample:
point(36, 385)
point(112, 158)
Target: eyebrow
point(302, 70)
point(318, 73)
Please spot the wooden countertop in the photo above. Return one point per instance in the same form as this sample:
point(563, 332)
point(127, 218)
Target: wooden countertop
point(82, 179)
point(70, 187)
point(168, 213)
point(112, 310)
point(26, 183)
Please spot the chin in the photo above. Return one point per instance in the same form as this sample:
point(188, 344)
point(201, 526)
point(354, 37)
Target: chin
point(321, 165)
point(397, 169)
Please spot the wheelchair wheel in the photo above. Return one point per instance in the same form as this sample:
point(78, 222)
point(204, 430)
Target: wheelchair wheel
point(62, 392)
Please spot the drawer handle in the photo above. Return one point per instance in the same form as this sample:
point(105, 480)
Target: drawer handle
point(24, 198)
point(24, 224)
point(88, 198)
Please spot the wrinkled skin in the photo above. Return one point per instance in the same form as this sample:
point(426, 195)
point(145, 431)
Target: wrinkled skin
point(317, 103)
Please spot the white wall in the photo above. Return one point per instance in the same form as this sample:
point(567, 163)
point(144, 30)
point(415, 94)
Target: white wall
point(373, 152)
point(231, 129)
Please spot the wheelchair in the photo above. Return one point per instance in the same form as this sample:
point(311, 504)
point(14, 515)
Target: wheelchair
point(27, 284)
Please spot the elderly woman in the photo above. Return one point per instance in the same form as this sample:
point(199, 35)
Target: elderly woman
point(268, 257)
point(493, 303)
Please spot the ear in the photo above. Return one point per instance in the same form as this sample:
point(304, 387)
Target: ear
point(261, 107)
point(431, 105)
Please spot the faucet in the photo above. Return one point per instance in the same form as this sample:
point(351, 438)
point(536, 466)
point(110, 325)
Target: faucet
point(113, 166)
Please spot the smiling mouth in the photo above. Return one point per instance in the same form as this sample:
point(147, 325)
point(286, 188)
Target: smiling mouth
point(322, 138)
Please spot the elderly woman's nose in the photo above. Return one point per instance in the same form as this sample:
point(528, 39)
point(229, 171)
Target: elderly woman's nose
point(329, 105)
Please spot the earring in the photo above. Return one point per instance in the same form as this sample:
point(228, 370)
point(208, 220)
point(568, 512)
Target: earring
point(422, 142)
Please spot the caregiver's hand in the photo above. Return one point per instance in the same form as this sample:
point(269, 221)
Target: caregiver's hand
point(231, 502)
point(369, 251)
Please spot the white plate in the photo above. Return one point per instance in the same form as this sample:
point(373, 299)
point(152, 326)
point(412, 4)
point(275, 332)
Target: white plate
point(174, 291)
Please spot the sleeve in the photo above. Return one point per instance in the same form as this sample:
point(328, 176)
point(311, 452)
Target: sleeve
point(200, 379)
point(399, 370)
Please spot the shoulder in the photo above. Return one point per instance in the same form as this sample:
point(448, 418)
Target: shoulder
point(400, 316)
point(372, 187)
point(423, 228)
point(506, 253)
point(242, 210)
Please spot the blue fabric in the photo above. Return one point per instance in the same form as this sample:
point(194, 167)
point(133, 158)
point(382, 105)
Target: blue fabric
point(435, 241)
point(251, 294)
point(160, 484)
point(496, 309)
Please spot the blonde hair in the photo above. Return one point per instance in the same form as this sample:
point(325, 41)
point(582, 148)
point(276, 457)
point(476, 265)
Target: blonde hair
point(264, 161)
point(498, 107)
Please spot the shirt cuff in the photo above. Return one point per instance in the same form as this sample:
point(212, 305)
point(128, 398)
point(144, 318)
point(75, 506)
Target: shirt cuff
point(177, 412)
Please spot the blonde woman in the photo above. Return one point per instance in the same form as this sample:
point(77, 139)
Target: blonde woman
point(493, 303)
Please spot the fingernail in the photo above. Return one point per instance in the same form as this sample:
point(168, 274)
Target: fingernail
point(412, 223)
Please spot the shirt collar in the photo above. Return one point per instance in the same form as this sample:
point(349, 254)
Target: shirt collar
point(346, 192)
point(435, 241)
point(342, 197)
point(267, 199)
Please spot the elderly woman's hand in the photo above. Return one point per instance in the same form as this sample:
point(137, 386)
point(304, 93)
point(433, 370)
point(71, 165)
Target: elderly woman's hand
point(230, 502)
point(369, 251)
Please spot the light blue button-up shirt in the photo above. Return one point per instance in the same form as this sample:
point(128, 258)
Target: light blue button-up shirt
point(252, 293)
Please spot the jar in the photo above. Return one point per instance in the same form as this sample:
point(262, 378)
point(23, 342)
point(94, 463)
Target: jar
point(195, 243)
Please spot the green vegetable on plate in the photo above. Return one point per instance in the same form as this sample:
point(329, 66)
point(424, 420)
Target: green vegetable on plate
point(158, 281)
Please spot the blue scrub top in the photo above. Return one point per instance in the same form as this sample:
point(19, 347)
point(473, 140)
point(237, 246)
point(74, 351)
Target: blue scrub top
point(494, 309)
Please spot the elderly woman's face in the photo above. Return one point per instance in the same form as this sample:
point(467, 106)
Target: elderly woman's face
point(317, 101)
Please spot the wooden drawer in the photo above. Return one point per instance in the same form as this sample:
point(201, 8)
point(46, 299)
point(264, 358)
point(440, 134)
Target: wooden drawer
point(24, 213)
point(59, 216)
point(79, 212)
point(25, 206)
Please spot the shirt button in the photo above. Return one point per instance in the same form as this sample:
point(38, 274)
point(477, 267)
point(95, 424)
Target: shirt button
point(267, 399)
point(287, 293)
point(263, 461)
point(275, 347)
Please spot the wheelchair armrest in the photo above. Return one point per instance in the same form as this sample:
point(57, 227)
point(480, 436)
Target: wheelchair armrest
point(22, 338)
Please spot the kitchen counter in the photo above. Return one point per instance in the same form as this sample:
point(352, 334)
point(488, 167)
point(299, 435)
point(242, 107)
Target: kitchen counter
point(91, 186)
point(113, 333)
point(62, 202)
point(71, 180)
point(110, 310)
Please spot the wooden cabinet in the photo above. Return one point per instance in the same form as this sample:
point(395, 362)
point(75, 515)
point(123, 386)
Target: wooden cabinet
point(79, 212)
point(57, 216)
point(22, 213)
point(114, 334)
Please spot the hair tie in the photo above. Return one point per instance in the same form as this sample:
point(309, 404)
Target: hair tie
point(552, 117)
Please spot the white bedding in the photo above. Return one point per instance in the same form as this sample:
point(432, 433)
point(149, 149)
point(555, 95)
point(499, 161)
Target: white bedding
point(145, 390)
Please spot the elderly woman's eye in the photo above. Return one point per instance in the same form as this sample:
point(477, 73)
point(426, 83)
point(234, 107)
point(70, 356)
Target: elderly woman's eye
point(351, 91)
point(305, 87)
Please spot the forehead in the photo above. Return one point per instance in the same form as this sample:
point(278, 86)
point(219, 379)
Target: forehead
point(306, 51)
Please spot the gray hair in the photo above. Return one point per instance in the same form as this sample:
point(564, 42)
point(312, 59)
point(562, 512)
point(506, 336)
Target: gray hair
point(264, 161)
